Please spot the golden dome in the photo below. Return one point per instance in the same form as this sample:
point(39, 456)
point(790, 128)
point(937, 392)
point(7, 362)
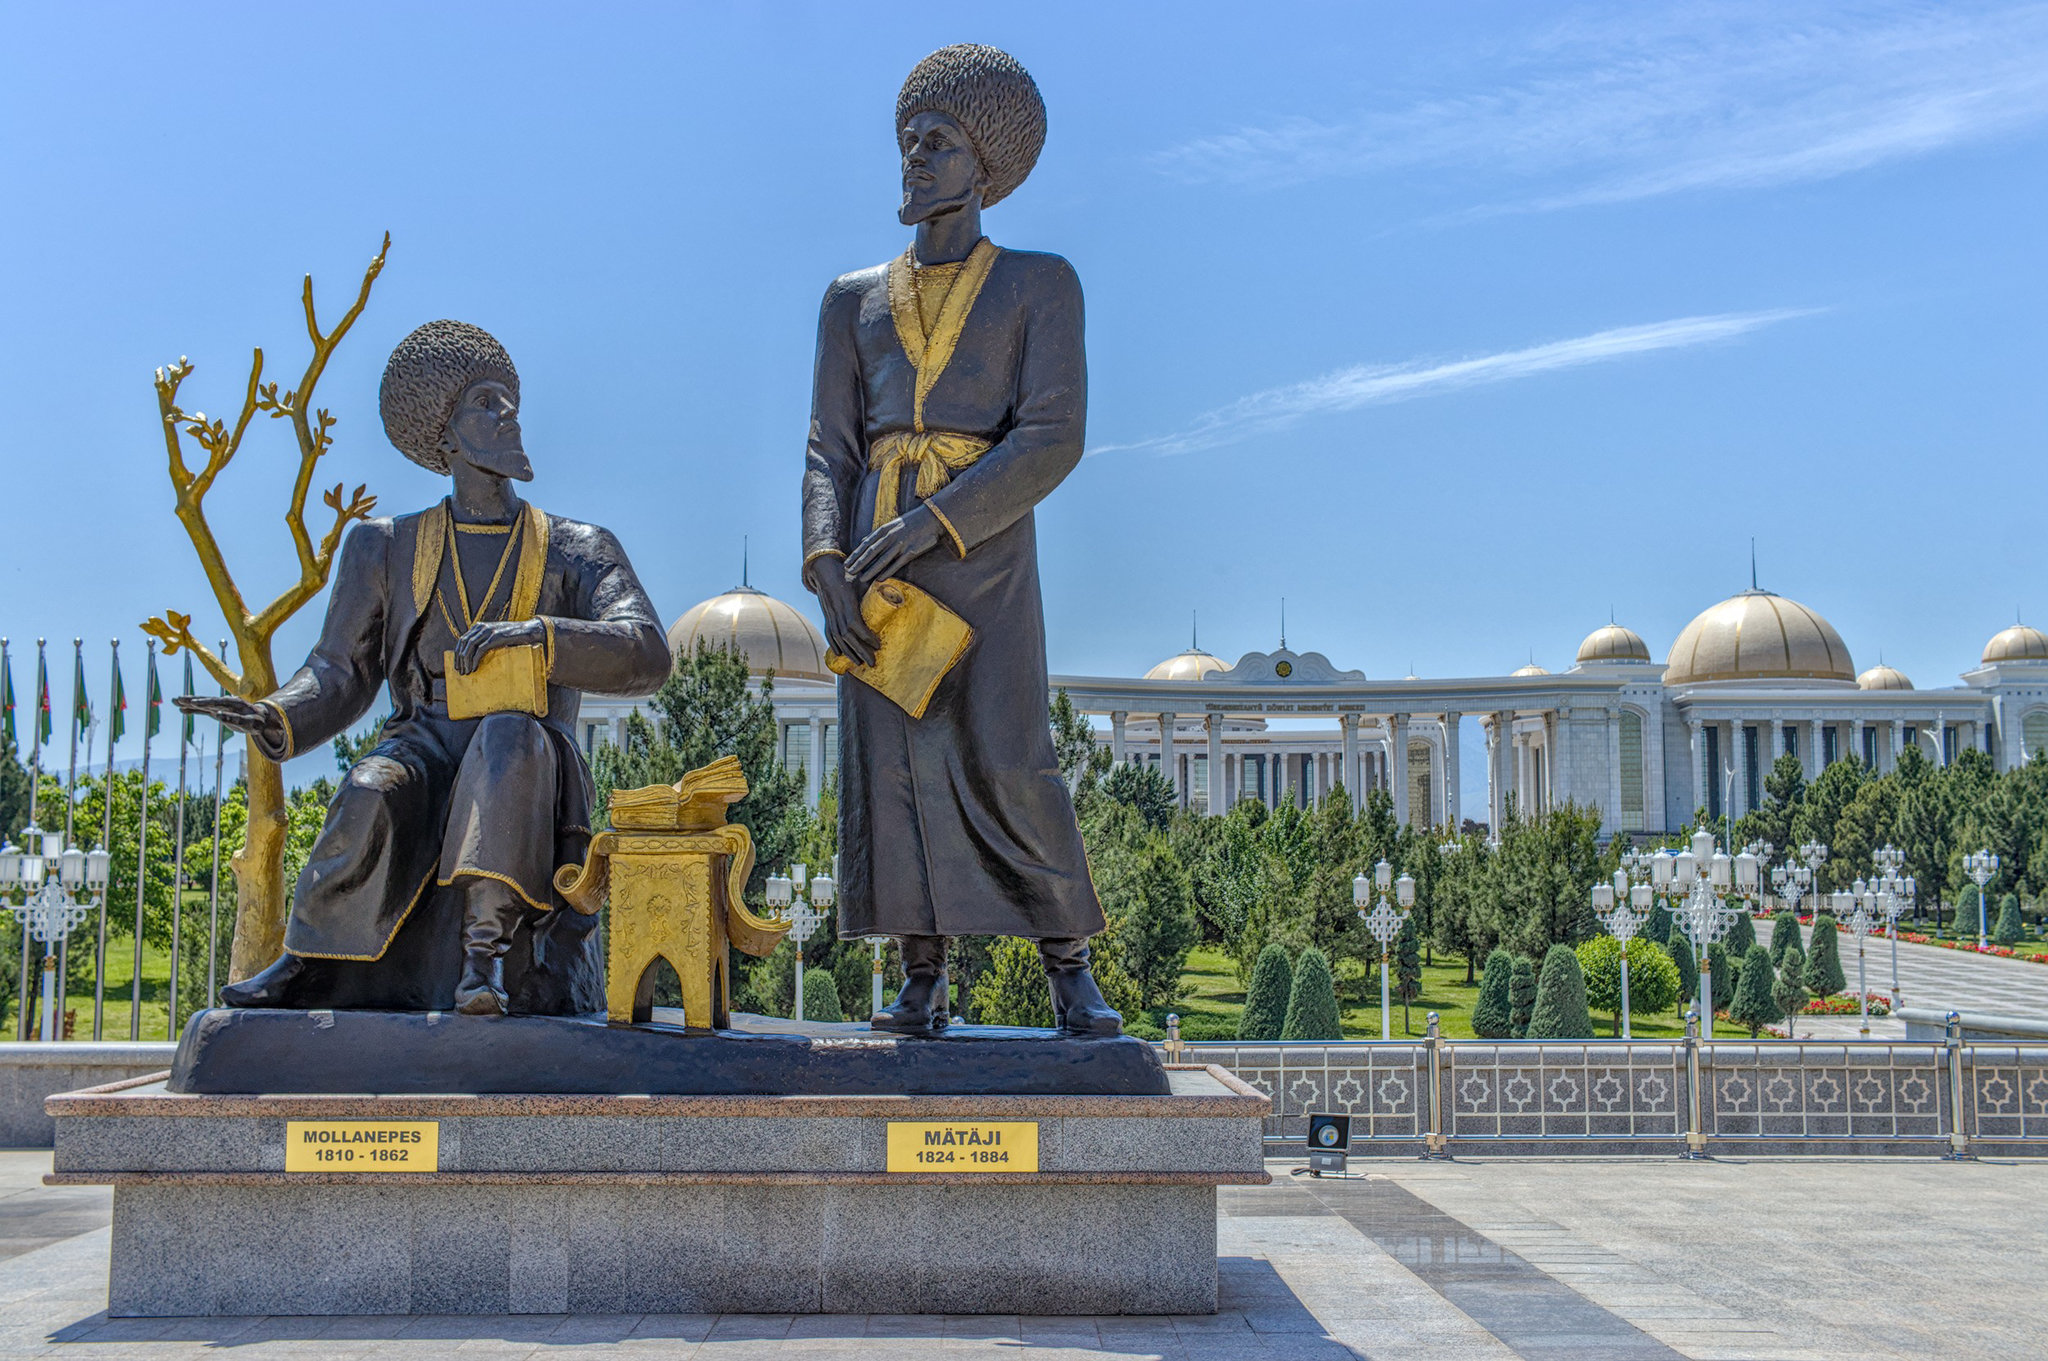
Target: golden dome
point(1758, 636)
point(1530, 670)
point(1192, 665)
point(1882, 677)
point(768, 633)
point(2017, 644)
point(1613, 643)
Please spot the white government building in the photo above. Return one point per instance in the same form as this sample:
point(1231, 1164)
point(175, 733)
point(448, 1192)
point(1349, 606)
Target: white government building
point(1753, 677)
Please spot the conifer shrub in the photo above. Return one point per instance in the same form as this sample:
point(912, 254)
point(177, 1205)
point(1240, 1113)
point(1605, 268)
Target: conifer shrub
point(1784, 934)
point(1688, 968)
point(1265, 1001)
point(821, 996)
point(1823, 976)
point(1560, 1012)
point(1492, 1017)
point(2009, 930)
point(1788, 989)
point(1521, 996)
point(1724, 975)
point(1312, 1005)
point(1741, 935)
point(1753, 1004)
point(1012, 989)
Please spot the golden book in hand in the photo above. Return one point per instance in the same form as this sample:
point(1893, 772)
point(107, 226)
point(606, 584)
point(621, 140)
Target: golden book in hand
point(506, 680)
point(921, 642)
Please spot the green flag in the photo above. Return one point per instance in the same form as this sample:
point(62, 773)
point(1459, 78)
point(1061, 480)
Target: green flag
point(7, 693)
point(81, 703)
point(186, 740)
point(155, 701)
point(117, 718)
point(42, 699)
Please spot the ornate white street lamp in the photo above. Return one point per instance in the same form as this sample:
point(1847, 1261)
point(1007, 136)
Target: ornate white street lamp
point(48, 871)
point(1790, 881)
point(1385, 923)
point(1708, 878)
point(803, 900)
point(1980, 867)
point(1858, 910)
point(1622, 909)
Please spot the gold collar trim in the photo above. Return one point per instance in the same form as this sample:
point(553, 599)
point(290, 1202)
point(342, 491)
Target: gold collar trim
point(929, 354)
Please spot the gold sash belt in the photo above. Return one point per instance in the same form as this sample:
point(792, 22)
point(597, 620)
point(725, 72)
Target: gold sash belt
point(935, 454)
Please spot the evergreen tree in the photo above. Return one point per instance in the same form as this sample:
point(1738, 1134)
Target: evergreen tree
point(1788, 988)
point(1312, 1006)
point(1082, 760)
point(1784, 932)
point(1823, 976)
point(1521, 996)
point(1657, 926)
point(1265, 1003)
point(1754, 1004)
point(1688, 968)
point(1012, 989)
point(1560, 1012)
point(1407, 979)
point(1143, 788)
point(1725, 968)
point(821, 996)
point(1491, 1016)
point(1741, 935)
point(2009, 930)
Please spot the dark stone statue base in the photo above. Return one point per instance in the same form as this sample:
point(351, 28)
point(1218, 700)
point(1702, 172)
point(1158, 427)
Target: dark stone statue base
point(227, 1052)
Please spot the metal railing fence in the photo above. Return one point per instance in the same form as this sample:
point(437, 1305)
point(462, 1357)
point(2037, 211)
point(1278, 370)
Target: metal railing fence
point(1435, 1096)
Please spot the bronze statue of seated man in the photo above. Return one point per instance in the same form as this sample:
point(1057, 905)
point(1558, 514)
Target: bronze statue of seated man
point(486, 618)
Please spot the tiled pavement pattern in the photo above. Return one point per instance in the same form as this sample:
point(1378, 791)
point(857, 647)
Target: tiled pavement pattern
point(1929, 976)
point(1546, 1260)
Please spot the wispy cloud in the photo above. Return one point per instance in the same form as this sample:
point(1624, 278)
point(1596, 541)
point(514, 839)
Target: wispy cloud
point(1377, 384)
point(1714, 99)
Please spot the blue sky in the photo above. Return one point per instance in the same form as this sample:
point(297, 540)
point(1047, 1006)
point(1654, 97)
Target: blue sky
point(1457, 326)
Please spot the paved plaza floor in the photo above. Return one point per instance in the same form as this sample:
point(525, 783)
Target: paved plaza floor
point(1548, 1260)
point(1929, 976)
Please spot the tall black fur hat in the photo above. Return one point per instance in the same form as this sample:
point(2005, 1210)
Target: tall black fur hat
point(990, 94)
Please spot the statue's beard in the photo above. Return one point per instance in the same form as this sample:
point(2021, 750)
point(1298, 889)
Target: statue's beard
point(916, 210)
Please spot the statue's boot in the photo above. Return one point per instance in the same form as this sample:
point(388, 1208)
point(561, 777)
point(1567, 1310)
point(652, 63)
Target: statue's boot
point(275, 986)
point(1078, 1007)
point(490, 913)
point(923, 1005)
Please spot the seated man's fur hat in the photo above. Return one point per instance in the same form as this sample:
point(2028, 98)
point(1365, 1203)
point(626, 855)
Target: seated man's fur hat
point(990, 95)
point(427, 375)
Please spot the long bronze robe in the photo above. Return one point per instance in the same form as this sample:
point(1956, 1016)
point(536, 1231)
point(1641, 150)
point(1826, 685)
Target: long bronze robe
point(956, 823)
point(506, 796)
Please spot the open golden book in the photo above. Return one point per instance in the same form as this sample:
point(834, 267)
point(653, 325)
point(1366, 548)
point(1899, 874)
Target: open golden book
point(921, 641)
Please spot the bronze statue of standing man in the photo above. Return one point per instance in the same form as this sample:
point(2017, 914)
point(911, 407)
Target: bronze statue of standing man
point(949, 398)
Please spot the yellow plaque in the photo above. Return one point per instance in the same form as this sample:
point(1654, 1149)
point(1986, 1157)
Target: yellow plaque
point(963, 1145)
point(362, 1146)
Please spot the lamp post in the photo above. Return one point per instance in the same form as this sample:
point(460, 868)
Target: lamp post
point(803, 899)
point(1815, 854)
point(1895, 900)
point(1980, 867)
point(1623, 908)
point(1857, 910)
point(49, 871)
point(1385, 923)
point(1708, 878)
point(1790, 881)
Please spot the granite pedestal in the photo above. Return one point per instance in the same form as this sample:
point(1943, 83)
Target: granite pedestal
point(688, 1204)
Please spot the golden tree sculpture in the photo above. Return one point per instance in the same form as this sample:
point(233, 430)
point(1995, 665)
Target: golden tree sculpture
point(259, 866)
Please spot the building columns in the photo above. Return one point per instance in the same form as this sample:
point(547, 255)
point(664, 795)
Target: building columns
point(814, 774)
point(1116, 735)
point(1214, 723)
point(1697, 730)
point(1354, 782)
point(1614, 813)
point(1398, 740)
point(1169, 767)
point(1449, 779)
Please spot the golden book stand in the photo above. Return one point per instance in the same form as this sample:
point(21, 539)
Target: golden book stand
point(674, 872)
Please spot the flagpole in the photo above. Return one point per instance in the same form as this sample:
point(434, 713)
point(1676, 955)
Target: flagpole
point(99, 970)
point(27, 1000)
point(220, 737)
point(178, 859)
point(35, 765)
point(149, 707)
point(79, 709)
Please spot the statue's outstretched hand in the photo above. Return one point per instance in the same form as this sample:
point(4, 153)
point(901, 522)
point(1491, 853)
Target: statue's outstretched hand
point(894, 546)
point(845, 630)
point(481, 638)
point(235, 712)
